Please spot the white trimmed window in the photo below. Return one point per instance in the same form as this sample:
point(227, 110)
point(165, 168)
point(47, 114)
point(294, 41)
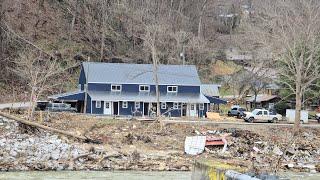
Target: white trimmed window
point(172, 89)
point(175, 105)
point(144, 88)
point(192, 107)
point(163, 105)
point(98, 104)
point(125, 104)
point(201, 106)
point(116, 88)
point(137, 105)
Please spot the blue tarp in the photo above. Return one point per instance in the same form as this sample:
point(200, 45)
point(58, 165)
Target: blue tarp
point(216, 100)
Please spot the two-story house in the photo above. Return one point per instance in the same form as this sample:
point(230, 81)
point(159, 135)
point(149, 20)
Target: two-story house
point(130, 89)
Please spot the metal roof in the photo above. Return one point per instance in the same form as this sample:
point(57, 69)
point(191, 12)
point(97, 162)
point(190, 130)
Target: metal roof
point(122, 73)
point(211, 90)
point(147, 97)
point(57, 96)
point(262, 98)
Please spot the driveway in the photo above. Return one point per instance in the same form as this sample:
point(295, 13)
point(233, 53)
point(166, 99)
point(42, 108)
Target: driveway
point(15, 105)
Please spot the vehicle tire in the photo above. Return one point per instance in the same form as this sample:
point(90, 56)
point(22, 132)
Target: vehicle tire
point(273, 120)
point(229, 114)
point(250, 120)
point(239, 116)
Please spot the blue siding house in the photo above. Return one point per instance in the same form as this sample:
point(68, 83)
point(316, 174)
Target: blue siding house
point(129, 89)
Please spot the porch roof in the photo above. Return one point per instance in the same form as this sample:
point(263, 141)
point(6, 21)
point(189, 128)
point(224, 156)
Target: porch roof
point(75, 95)
point(147, 97)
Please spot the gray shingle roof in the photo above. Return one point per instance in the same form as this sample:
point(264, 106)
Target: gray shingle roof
point(140, 73)
point(211, 90)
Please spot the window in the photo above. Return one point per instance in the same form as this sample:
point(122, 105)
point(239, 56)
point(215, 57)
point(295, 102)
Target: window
point(175, 105)
point(125, 104)
point(201, 106)
point(107, 105)
point(234, 109)
point(98, 104)
point(163, 105)
point(273, 113)
point(137, 105)
point(265, 112)
point(259, 113)
point(192, 107)
point(115, 87)
point(144, 88)
point(172, 88)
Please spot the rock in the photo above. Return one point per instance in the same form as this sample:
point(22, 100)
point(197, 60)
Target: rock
point(310, 166)
point(277, 151)
point(55, 154)
point(184, 168)
point(256, 149)
point(318, 167)
point(291, 151)
point(13, 153)
point(313, 171)
point(290, 165)
point(162, 166)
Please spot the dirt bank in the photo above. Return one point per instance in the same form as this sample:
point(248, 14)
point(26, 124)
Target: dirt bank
point(134, 145)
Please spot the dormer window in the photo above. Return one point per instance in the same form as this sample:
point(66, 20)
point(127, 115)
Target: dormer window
point(116, 88)
point(172, 89)
point(144, 88)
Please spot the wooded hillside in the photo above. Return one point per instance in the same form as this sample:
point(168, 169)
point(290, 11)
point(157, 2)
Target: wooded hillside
point(184, 31)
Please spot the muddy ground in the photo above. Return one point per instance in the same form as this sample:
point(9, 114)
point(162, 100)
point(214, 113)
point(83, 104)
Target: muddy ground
point(137, 145)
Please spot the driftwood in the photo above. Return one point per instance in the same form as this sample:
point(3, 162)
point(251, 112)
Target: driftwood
point(33, 124)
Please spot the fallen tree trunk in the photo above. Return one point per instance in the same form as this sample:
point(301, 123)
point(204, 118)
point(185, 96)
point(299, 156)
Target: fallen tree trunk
point(33, 124)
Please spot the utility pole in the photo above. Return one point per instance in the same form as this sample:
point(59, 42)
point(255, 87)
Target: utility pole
point(86, 88)
point(182, 55)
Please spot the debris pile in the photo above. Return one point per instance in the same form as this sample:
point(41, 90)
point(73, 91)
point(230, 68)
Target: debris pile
point(134, 145)
point(300, 154)
point(41, 150)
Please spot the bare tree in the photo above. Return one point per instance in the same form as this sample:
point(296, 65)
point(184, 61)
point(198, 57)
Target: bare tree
point(292, 29)
point(39, 72)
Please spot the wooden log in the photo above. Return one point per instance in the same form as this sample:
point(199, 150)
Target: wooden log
point(33, 124)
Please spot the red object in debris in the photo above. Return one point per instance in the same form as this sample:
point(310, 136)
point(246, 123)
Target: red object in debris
point(214, 141)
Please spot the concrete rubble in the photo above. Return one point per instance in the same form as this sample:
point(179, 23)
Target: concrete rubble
point(45, 151)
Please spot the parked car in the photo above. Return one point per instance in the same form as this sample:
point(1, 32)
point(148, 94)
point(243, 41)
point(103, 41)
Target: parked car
point(318, 117)
point(59, 107)
point(41, 105)
point(236, 111)
point(262, 115)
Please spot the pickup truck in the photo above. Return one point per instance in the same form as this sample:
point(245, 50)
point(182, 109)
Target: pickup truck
point(261, 115)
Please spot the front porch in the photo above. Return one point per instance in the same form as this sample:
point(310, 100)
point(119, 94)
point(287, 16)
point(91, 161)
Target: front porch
point(148, 109)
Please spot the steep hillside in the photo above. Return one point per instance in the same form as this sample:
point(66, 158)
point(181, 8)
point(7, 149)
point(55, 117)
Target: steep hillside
point(72, 31)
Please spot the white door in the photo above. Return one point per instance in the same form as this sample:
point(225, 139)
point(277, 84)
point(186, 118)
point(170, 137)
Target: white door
point(259, 116)
point(192, 110)
point(107, 108)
